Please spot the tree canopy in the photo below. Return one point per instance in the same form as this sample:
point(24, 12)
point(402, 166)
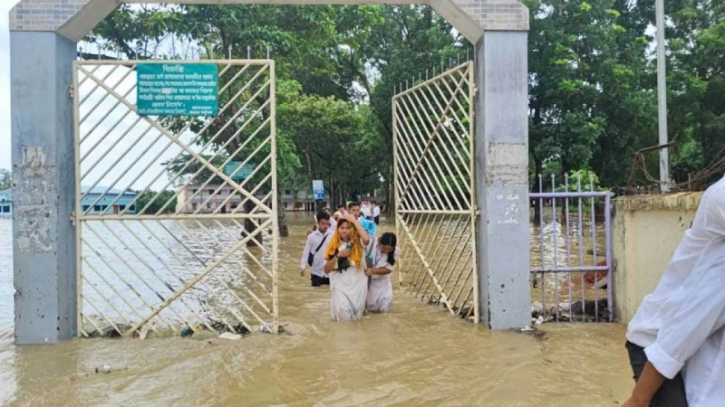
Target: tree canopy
point(592, 80)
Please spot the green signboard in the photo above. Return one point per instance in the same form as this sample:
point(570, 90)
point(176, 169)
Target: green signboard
point(240, 175)
point(177, 89)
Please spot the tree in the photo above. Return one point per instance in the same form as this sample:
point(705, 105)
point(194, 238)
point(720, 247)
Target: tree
point(157, 201)
point(696, 38)
point(6, 179)
point(336, 143)
point(589, 103)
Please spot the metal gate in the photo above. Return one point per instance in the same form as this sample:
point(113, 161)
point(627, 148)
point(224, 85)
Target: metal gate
point(176, 216)
point(435, 204)
point(571, 258)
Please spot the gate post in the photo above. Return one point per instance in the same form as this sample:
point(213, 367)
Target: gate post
point(43, 159)
point(502, 179)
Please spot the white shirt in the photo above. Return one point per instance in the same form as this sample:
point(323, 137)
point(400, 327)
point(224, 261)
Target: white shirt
point(376, 211)
point(313, 241)
point(366, 211)
point(333, 224)
point(680, 324)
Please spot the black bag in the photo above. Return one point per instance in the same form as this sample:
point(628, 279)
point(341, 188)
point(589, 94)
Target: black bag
point(311, 256)
point(343, 263)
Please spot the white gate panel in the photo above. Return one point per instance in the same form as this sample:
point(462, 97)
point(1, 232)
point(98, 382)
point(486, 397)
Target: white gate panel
point(176, 216)
point(435, 191)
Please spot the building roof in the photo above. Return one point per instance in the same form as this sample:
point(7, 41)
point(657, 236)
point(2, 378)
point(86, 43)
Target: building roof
point(7, 194)
point(100, 189)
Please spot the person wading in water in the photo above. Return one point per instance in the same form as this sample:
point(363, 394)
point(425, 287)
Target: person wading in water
point(380, 258)
point(314, 254)
point(344, 265)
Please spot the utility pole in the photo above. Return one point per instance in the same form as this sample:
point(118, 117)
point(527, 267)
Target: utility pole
point(662, 98)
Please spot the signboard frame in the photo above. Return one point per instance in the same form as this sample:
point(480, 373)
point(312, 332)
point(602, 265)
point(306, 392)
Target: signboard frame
point(177, 89)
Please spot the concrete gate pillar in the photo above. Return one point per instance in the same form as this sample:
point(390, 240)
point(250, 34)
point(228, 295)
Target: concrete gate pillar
point(502, 179)
point(502, 155)
point(44, 245)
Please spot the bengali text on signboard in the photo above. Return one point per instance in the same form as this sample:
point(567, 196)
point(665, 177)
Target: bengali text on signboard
point(233, 171)
point(177, 89)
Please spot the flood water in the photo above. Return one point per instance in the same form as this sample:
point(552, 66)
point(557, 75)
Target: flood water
point(417, 355)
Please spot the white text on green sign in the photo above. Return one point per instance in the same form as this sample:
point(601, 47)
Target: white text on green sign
point(177, 89)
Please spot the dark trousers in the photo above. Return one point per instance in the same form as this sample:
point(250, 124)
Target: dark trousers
point(318, 281)
point(377, 220)
point(671, 394)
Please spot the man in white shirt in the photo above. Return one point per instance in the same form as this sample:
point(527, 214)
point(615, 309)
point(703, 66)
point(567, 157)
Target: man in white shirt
point(366, 210)
point(314, 253)
point(376, 213)
point(676, 341)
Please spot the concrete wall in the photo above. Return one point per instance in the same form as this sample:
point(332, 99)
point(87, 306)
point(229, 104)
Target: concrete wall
point(645, 233)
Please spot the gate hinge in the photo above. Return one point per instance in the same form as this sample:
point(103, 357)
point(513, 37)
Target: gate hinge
point(73, 218)
point(71, 91)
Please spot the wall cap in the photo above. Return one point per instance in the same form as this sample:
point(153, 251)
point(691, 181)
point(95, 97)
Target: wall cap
point(688, 201)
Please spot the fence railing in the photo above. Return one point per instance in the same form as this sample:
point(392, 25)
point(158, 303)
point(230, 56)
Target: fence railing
point(571, 259)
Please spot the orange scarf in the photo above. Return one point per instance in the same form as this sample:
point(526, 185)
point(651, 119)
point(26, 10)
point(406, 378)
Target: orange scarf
point(356, 253)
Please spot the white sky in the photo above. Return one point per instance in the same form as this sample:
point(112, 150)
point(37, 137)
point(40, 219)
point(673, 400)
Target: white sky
point(5, 6)
point(134, 151)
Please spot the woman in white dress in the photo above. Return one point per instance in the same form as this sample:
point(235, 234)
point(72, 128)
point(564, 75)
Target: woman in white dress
point(346, 268)
point(380, 259)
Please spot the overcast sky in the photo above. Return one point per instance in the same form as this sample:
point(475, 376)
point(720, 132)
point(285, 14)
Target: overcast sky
point(5, 6)
point(137, 169)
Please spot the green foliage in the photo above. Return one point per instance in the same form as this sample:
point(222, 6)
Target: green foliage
point(592, 80)
point(584, 180)
point(157, 199)
point(590, 100)
point(6, 179)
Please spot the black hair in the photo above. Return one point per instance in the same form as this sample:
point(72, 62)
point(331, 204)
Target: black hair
point(323, 215)
point(389, 239)
point(351, 204)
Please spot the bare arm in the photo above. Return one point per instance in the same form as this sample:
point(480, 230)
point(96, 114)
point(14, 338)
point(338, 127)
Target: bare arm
point(649, 382)
point(305, 254)
point(360, 230)
point(380, 271)
point(330, 264)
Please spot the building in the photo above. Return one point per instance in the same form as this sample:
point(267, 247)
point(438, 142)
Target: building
point(6, 203)
point(191, 198)
point(100, 207)
point(120, 200)
point(301, 200)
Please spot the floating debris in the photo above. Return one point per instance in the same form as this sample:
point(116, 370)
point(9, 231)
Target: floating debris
point(230, 336)
point(187, 332)
point(242, 330)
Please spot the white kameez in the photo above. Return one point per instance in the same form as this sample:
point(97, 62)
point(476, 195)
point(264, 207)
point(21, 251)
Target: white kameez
point(380, 290)
point(348, 290)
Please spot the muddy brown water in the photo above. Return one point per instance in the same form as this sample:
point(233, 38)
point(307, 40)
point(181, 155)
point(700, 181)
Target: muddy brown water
point(417, 355)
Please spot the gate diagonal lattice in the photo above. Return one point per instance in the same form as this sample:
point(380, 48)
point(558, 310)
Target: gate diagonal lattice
point(176, 216)
point(435, 192)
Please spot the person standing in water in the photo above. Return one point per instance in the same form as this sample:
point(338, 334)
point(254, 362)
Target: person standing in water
point(314, 253)
point(380, 258)
point(376, 213)
point(355, 209)
point(346, 268)
point(333, 221)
